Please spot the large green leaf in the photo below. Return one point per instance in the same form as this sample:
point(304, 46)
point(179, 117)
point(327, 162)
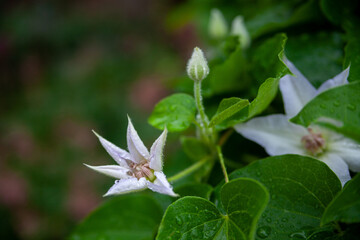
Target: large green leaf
point(281, 14)
point(227, 108)
point(197, 218)
point(126, 217)
point(317, 55)
point(300, 189)
point(337, 108)
point(346, 205)
point(175, 112)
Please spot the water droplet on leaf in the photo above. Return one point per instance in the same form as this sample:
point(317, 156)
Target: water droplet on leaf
point(179, 221)
point(263, 232)
point(351, 107)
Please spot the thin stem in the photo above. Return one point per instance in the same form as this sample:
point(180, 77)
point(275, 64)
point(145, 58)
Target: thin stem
point(225, 137)
point(189, 170)
point(222, 163)
point(204, 121)
point(199, 104)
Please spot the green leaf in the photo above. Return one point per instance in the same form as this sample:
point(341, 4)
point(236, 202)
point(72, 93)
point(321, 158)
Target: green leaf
point(300, 189)
point(126, 217)
point(337, 108)
point(352, 52)
point(281, 14)
point(227, 108)
point(194, 148)
point(268, 60)
point(176, 112)
point(195, 189)
point(345, 207)
point(197, 218)
point(228, 76)
point(317, 55)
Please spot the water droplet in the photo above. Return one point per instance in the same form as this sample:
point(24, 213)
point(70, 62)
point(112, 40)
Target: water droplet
point(263, 232)
point(196, 209)
point(195, 233)
point(281, 225)
point(336, 103)
point(258, 173)
point(351, 107)
point(179, 220)
point(284, 219)
point(268, 220)
point(263, 215)
point(298, 235)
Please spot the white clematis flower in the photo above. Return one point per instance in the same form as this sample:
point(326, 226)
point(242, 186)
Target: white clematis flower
point(137, 169)
point(279, 136)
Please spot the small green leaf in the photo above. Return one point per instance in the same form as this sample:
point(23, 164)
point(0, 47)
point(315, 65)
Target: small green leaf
point(195, 189)
point(300, 189)
point(194, 148)
point(345, 207)
point(337, 108)
point(176, 112)
point(227, 108)
point(197, 218)
point(126, 217)
point(268, 59)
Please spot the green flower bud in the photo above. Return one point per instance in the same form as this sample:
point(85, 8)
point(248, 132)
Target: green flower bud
point(217, 25)
point(197, 67)
point(238, 28)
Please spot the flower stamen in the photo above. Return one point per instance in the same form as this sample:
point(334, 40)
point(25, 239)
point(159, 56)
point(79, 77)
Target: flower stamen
point(314, 143)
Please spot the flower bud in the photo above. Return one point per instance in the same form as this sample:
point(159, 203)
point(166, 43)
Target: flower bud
point(238, 28)
point(217, 25)
point(197, 67)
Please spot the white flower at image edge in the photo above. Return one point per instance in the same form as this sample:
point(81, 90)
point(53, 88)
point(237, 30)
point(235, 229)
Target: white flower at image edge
point(279, 136)
point(137, 169)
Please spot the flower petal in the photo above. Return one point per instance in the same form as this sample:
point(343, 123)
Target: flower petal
point(338, 80)
point(275, 133)
point(156, 152)
point(161, 185)
point(112, 171)
point(338, 166)
point(118, 154)
point(126, 186)
point(347, 149)
point(296, 90)
point(137, 149)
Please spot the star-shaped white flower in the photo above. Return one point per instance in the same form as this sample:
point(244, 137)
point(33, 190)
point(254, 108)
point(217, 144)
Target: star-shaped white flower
point(138, 169)
point(279, 136)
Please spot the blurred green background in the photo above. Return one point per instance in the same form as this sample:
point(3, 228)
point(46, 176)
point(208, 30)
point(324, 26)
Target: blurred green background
point(67, 67)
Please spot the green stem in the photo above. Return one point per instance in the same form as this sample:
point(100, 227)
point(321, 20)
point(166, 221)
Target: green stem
point(189, 170)
point(222, 163)
point(204, 124)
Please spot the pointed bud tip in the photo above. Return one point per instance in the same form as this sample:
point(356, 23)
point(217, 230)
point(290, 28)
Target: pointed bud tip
point(217, 24)
point(197, 67)
point(238, 28)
